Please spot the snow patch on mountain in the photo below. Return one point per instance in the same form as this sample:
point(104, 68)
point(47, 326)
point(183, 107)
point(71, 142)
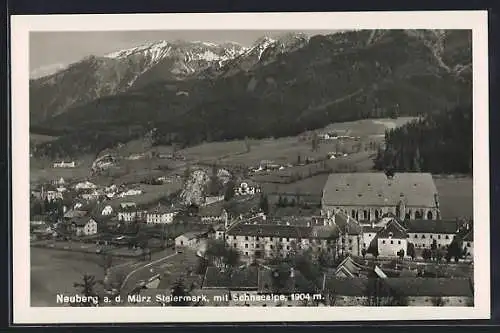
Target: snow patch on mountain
point(156, 51)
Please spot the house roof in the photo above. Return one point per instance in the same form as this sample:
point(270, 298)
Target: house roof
point(214, 209)
point(245, 278)
point(161, 209)
point(190, 235)
point(371, 229)
point(38, 218)
point(376, 189)
point(75, 213)
point(418, 286)
point(432, 226)
point(295, 283)
point(81, 221)
point(394, 230)
point(347, 224)
point(347, 286)
point(219, 227)
point(127, 204)
point(324, 231)
point(403, 286)
point(350, 266)
point(469, 236)
point(270, 230)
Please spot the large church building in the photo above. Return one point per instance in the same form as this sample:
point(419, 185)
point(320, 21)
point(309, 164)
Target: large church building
point(368, 196)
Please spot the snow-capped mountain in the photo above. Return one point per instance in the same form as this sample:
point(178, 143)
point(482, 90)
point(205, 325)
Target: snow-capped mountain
point(114, 73)
point(46, 70)
point(264, 51)
point(278, 86)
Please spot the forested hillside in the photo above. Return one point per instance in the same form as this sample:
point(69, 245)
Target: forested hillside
point(438, 143)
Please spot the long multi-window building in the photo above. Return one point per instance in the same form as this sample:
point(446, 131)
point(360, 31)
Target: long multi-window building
point(258, 237)
point(369, 196)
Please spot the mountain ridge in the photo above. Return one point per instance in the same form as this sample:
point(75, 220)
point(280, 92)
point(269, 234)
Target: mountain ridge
point(288, 88)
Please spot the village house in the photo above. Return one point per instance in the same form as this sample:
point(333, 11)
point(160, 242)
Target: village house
point(209, 200)
point(391, 239)
point(85, 185)
point(256, 241)
point(53, 195)
point(260, 237)
point(468, 243)
point(369, 196)
point(161, 215)
point(350, 234)
point(90, 194)
point(422, 233)
point(130, 192)
point(349, 267)
point(63, 164)
point(84, 226)
point(246, 188)
point(214, 213)
point(189, 239)
point(107, 210)
point(75, 213)
point(249, 285)
point(414, 291)
point(38, 220)
point(130, 212)
point(59, 182)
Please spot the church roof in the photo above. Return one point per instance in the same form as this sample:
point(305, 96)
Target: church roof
point(376, 189)
point(394, 230)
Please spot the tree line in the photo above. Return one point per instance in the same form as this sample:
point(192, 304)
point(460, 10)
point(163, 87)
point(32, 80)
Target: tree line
point(438, 143)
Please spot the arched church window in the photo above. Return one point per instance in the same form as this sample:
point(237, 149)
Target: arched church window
point(377, 214)
point(429, 215)
point(353, 214)
point(418, 214)
point(365, 214)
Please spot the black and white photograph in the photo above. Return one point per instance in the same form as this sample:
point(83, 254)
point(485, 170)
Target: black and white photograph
point(311, 166)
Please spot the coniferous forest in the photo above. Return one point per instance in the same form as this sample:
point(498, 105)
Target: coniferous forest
point(438, 143)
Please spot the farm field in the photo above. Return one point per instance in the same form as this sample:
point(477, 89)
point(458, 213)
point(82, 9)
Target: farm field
point(151, 193)
point(455, 196)
point(54, 271)
point(42, 170)
point(41, 138)
point(366, 126)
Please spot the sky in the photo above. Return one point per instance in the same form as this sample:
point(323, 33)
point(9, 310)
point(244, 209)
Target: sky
point(52, 50)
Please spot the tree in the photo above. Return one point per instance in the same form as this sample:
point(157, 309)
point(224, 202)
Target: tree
point(248, 147)
point(87, 289)
point(426, 254)
point(437, 301)
point(375, 253)
point(315, 142)
point(229, 192)
point(215, 184)
point(231, 258)
point(411, 250)
point(433, 249)
point(215, 252)
point(201, 266)
point(401, 254)
point(179, 294)
point(264, 204)
point(455, 249)
point(280, 277)
point(417, 161)
point(187, 173)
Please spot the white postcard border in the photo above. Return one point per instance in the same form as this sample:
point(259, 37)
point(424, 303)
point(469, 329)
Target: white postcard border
point(21, 27)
